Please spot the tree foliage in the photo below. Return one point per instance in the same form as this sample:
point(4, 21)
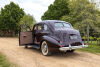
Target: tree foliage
point(28, 21)
point(10, 16)
point(83, 15)
point(56, 10)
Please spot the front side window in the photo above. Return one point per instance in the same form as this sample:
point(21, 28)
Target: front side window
point(39, 27)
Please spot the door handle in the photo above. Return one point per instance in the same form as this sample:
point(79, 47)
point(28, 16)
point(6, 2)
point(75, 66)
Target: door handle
point(24, 35)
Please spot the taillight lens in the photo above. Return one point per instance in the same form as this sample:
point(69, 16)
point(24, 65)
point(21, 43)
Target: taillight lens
point(60, 43)
point(61, 46)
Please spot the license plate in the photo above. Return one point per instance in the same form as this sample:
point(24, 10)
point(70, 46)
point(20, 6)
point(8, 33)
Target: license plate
point(73, 37)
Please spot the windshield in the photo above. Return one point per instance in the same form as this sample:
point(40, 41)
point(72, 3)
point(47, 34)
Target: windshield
point(62, 25)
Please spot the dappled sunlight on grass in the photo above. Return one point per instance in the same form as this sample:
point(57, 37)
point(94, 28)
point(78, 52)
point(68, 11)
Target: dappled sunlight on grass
point(93, 48)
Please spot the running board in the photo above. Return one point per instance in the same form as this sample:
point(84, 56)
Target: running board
point(35, 46)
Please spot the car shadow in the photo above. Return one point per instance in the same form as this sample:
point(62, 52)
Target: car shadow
point(67, 54)
point(34, 50)
point(56, 54)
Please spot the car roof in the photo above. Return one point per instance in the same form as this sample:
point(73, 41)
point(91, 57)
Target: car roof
point(50, 21)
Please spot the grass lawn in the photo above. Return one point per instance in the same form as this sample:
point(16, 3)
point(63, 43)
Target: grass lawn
point(3, 61)
point(93, 48)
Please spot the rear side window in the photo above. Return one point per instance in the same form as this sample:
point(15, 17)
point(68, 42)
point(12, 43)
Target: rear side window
point(45, 27)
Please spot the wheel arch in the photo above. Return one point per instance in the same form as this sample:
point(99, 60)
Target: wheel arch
point(52, 42)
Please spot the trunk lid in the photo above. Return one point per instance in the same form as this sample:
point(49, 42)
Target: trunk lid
point(69, 36)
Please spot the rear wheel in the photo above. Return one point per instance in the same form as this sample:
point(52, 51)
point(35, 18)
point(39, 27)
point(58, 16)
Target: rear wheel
point(44, 49)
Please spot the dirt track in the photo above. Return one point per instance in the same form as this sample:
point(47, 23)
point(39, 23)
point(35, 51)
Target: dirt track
point(33, 58)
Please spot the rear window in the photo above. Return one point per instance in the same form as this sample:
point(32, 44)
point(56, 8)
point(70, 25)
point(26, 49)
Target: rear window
point(62, 25)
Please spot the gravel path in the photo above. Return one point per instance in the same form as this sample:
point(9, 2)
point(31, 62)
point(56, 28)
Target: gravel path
point(33, 58)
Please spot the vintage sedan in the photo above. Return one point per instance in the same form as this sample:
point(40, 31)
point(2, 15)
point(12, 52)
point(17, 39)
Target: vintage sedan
point(52, 35)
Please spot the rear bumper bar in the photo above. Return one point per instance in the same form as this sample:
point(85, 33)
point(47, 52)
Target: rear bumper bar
point(72, 47)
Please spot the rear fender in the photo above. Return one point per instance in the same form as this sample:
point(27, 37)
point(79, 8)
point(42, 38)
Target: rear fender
point(52, 42)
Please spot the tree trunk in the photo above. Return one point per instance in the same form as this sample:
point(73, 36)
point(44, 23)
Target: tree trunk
point(88, 33)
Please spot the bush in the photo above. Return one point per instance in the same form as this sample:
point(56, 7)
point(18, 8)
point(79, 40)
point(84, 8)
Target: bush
point(92, 48)
point(91, 38)
point(95, 38)
point(98, 41)
point(84, 38)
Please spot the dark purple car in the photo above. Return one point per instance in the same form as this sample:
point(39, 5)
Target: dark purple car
point(52, 35)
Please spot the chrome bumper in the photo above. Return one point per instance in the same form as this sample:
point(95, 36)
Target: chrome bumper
point(72, 47)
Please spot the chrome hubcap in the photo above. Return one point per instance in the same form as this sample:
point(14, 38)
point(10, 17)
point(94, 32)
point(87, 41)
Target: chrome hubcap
point(44, 48)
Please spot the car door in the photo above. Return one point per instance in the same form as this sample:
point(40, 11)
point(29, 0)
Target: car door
point(37, 33)
point(25, 36)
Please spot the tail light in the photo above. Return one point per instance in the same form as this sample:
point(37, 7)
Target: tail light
point(60, 43)
point(61, 46)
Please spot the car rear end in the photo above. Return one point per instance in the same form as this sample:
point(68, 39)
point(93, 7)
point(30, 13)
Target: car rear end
point(71, 40)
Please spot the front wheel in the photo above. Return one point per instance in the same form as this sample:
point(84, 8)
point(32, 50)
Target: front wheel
point(44, 48)
point(26, 46)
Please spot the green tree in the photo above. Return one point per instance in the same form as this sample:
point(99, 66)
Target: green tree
point(83, 16)
point(10, 17)
point(56, 10)
point(75, 6)
point(27, 21)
